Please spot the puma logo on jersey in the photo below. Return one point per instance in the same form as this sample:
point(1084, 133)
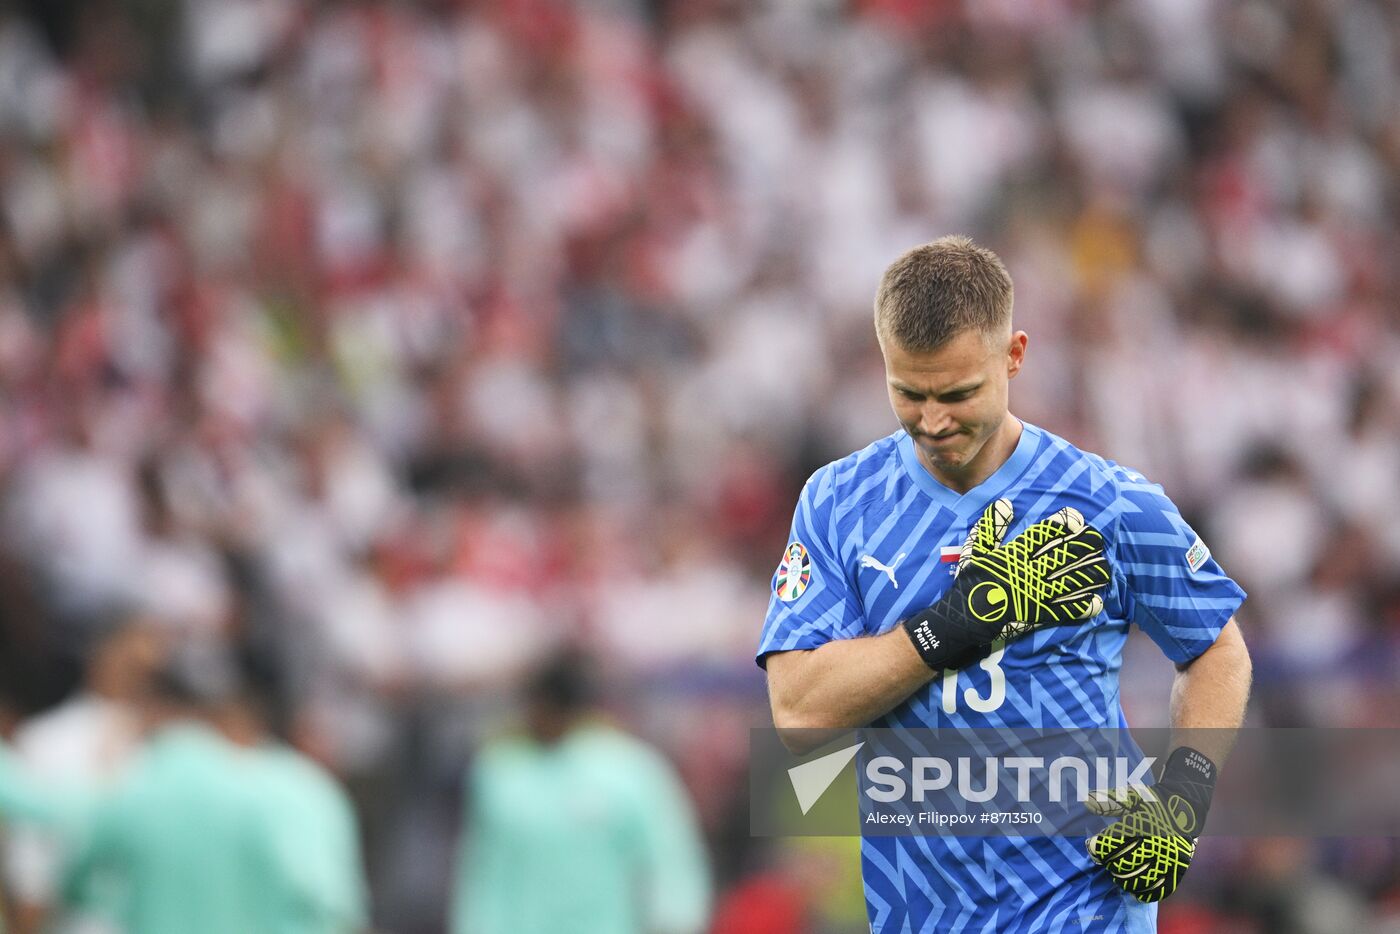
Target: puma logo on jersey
point(868, 561)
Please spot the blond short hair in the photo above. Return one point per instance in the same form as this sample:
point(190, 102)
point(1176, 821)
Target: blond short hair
point(936, 291)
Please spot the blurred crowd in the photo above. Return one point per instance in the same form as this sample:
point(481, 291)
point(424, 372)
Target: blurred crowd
point(391, 346)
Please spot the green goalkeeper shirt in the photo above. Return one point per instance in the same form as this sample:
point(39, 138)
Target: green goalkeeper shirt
point(593, 835)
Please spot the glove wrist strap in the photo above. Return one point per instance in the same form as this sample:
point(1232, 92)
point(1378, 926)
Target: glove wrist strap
point(1189, 765)
point(942, 646)
point(1190, 774)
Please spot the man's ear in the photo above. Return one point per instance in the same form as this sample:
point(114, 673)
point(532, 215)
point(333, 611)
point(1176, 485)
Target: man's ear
point(1016, 353)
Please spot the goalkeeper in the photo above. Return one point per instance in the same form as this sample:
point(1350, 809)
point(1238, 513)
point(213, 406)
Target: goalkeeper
point(974, 571)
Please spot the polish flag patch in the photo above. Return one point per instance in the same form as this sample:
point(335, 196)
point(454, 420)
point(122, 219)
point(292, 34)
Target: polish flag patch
point(949, 555)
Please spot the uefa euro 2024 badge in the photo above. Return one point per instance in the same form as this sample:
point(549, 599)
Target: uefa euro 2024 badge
point(794, 573)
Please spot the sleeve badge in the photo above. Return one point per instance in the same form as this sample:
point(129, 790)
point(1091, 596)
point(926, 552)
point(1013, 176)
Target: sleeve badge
point(794, 573)
point(1197, 555)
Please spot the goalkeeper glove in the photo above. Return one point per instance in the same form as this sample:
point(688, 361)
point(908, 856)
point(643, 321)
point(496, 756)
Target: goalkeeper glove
point(1148, 849)
point(1050, 574)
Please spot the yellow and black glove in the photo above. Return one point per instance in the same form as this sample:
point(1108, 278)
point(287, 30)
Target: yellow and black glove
point(1050, 574)
point(1148, 849)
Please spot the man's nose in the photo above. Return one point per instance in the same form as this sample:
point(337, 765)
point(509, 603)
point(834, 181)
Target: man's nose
point(934, 419)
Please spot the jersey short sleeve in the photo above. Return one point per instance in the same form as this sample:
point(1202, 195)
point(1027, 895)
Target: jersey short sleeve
point(813, 601)
point(1176, 592)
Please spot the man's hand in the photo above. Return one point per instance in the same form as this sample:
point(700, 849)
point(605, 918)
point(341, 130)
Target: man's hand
point(1050, 574)
point(1149, 848)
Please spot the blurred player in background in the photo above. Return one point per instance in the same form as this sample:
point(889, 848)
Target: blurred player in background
point(30, 805)
point(576, 827)
point(864, 565)
point(213, 830)
point(309, 823)
point(85, 741)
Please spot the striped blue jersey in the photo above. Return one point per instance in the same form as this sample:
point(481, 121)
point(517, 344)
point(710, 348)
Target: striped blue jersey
point(874, 541)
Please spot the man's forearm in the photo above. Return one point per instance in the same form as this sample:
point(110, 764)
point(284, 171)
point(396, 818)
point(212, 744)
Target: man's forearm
point(843, 684)
point(1209, 696)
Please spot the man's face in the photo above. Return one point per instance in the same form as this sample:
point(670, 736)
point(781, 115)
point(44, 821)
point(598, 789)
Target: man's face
point(127, 660)
point(953, 400)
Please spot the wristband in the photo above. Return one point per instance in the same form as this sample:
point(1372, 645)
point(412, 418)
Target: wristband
point(1188, 782)
point(949, 649)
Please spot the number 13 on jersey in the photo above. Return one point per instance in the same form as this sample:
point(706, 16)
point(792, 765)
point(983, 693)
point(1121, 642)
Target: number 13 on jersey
point(996, 694)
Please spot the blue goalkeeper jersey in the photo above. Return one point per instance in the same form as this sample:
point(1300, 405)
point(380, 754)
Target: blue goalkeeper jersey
point(875, 539)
